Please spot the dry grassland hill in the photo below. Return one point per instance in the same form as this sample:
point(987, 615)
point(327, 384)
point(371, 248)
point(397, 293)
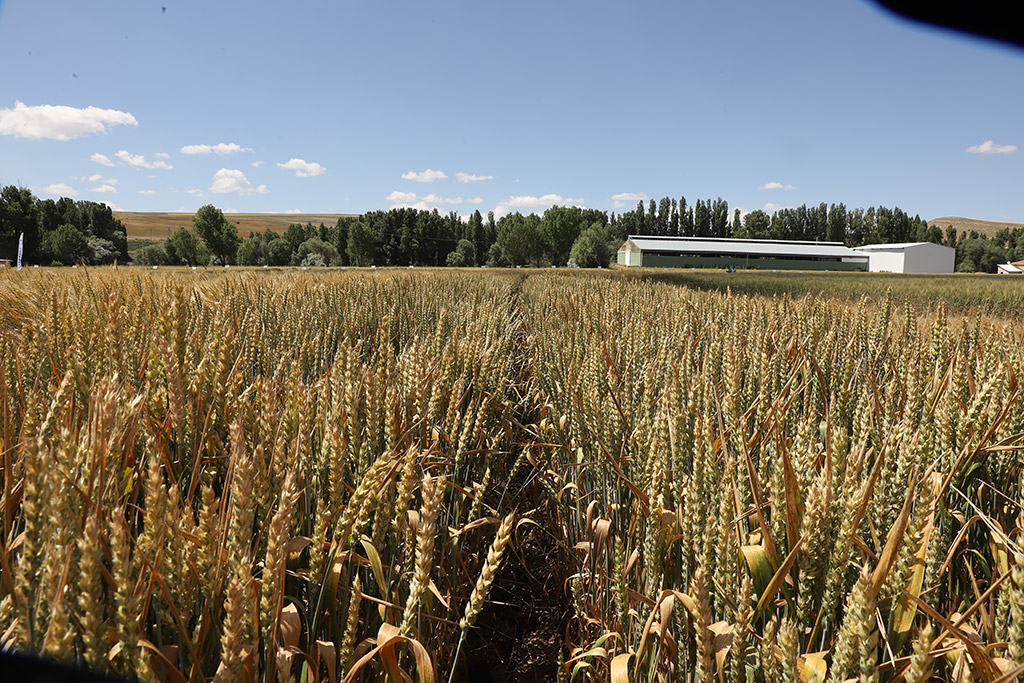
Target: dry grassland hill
point(962, 225)
point(160, 226)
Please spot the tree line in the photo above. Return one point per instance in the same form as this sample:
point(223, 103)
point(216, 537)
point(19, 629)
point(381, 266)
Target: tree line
point(64, 232)
point(59, 232)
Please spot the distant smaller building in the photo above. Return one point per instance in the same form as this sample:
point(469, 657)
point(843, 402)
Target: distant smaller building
point(909, 257)
point(1015, 268)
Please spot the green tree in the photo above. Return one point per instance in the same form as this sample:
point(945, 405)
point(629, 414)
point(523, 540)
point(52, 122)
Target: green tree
point(184, 247)
point(463, 256)
point(67, 245)
point(475, 233)
point(979, 253)
point(756, 225)
point(836, 231)
point(18, 214)
point(313, 260)
point(592, 248)
point(246, 254)
point(100, 251)
point(496, 257)
point(560, 227)
point(296, 235)
point(220, 236)
point(279, 253)
point(315, 245)
point(362, 244)
point(519, 238)
point(152, 255)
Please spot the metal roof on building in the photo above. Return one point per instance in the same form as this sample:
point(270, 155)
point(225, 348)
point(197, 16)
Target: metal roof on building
point(713, 245)
point(898, 245)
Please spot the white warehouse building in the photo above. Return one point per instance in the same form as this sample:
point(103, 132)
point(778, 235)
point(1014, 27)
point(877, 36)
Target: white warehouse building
point(909, 257)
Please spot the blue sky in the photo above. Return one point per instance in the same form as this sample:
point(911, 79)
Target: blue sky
point(348, 107)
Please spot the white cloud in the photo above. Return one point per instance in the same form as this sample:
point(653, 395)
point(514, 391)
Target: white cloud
point(230, 211)
point(232, 180)
point(94, 177)
point(530, 202)
point(139, 161)
point(475, 200)
point(257, 164)
point(147, 191)
point(470, 178)
point(294, 211)
point(162, 155)
point(410, 200)
point(772, 207)
point(303, 168)
point(630, 197)
point(111, 205)
point(434, 199)
point(59, 122)
point(427, 176)
point(101, 159)
point(219, 148)
point(775, 185)
point(990, 147)
point(106, 188)
point(619, 200)
point(401, 197)
point(58, 189)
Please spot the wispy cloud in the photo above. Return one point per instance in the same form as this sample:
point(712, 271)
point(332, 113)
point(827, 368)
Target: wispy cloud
point(411, 200)
point(475, 200)
point(990, 147)
point(58, 190)
point(232, 180)
point(162, 155)
point(630, 197)
point(619, 200)
point(530, 202)
point(427, 176)
point(434, 199)
point(139, 161)
point(106, 188)
point(59, 122)
point(147, 192)
point(303, 168)
point(101, 159)
point(257, 164)
point(219, 148)
point(775, 185)
point(470, 178)
point(772, 207)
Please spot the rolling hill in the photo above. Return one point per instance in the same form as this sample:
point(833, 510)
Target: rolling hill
point(159, 226)
point(987, 228)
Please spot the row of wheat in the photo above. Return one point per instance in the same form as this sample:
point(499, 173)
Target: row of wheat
point(763, 489)
point(280, 476)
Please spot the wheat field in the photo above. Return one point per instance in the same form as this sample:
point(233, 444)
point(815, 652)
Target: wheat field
point(472, 476)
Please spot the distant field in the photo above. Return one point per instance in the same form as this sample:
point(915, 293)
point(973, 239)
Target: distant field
point(159, 226)
point(961, 291)
point(987, 228)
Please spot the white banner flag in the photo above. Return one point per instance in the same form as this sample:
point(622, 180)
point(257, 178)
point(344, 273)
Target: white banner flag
point(21, 248)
